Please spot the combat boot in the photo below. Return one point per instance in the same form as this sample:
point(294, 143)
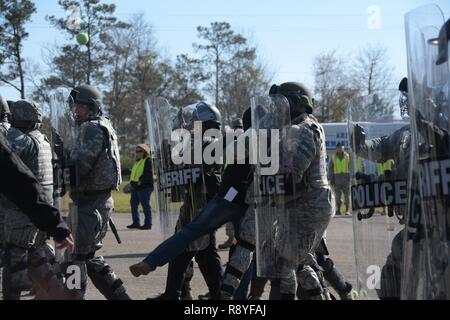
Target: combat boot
point(225, 296)
point(166, 296)
point(347, 294)
point(205, 296)
point(186, 292)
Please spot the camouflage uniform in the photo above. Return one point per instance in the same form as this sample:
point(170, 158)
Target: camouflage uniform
point(309, 213)
point(24, 242)
point(397, 147)
point(97, 161)
point(4, 127)
point(194, 197)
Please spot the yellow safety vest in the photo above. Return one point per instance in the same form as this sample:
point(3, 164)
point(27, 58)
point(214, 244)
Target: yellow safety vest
point(138, 170)
point(341, 165)
point(387, 166)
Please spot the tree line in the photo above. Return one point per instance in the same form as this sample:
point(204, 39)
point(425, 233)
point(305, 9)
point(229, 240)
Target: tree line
point(124, 60)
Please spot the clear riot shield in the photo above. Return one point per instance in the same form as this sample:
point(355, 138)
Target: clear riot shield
point(275, 184)
point(62, 138)
point(378, 192)
point(426, 246)
point(179, 183)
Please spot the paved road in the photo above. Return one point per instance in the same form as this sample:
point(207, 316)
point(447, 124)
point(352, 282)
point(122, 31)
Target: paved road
point(137, 243)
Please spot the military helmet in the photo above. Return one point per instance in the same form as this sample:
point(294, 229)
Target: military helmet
point(86, 95)
point(403, 85)
point(237, 123)
point(443, 39)
point(208, 113)
point(297, 94)
point(4, 108)
point(24, 110)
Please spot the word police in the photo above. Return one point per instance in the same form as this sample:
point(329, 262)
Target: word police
point(272, 185)
point(379, 194)
point(182, 177)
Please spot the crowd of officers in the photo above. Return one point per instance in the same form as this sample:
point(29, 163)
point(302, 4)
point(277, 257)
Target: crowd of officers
point(30, 186)
point(29, 261)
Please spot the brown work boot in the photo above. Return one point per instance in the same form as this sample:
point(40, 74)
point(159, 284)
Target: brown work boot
point(140, 269)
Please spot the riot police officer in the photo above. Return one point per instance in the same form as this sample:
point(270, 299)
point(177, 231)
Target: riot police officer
point(4, 126)
point(95, 163)
point(28, 256)
point(204, 249)
point(394, 146)
point(312, 205)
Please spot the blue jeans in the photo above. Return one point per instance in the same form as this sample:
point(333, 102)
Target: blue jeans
point(142, 197)
point(216, 213)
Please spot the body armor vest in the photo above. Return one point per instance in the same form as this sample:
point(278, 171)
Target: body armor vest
point(106, 173)
point(42, 166)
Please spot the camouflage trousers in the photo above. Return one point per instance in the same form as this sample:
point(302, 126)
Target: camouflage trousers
point(88, 219)
point(36, 268)
point(2, 237)
point(19, 231)
point(2, 245)
point(28, 261)
point(2, 228)
point(342, 190)
point(302, 237)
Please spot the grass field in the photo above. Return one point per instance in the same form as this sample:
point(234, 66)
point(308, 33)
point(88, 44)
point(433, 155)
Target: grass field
point(121, 200)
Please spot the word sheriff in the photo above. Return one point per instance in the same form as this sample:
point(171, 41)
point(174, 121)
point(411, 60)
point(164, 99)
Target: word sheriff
point(181, 177)
point(434, 177)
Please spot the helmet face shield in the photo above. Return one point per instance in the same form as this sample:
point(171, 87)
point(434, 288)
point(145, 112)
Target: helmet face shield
point(185, 118)
point(70, 100)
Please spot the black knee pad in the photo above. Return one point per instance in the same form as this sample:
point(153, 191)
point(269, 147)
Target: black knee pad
point(105, 280)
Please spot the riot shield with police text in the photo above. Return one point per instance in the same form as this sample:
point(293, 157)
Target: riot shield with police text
point(62, 139)
point(378, 191)
point(275, 185)
point(179, 182)
point(426, 245)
